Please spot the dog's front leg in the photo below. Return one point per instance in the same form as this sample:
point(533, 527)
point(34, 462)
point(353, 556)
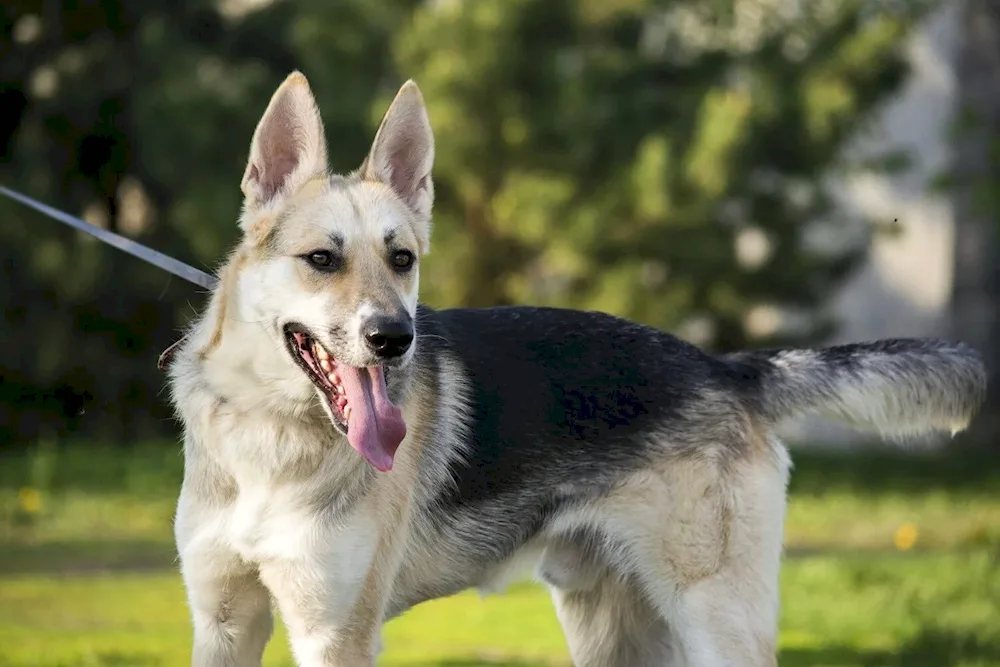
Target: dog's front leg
point(332, 599)
point(230, 609)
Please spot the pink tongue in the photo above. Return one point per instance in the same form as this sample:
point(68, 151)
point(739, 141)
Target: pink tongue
point(376, 426)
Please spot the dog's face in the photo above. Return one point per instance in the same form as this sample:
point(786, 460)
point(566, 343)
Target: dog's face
point(334, 261)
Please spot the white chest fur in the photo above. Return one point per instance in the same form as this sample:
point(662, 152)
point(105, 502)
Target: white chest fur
point(288, 484)
point(268, 523)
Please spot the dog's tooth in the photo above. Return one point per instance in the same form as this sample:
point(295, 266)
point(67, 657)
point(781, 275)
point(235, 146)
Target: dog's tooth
point(347, 413)
point(325, 364)
point(340, 388)
point(332, 377)
point(322, 354)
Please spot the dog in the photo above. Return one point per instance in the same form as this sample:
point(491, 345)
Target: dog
point(350, 453)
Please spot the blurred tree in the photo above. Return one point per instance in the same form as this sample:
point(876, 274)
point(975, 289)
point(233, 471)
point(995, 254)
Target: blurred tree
point(660, 160)
point(136, 114)
point(656, 159)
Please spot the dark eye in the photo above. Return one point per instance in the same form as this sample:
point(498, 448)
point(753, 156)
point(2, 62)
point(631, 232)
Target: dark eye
point(402, 260)
point(323, 260)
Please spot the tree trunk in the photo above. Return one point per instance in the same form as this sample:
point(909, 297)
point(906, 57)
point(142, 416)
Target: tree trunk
point(976, 291)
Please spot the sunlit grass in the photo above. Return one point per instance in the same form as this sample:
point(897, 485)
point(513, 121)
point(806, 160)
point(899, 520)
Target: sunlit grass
point(931, 610)
point(905, 572)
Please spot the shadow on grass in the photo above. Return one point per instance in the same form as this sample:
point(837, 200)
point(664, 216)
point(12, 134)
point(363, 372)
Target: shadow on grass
point(100, 659)
point(104, 555)
point(481, 662)
point(156, 468)
point(78, 557)
point(931, 648)
point(881, 469)
point(150, 469)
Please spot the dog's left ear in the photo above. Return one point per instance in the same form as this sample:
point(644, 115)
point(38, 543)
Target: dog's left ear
point(402, 155)
point(288, 146)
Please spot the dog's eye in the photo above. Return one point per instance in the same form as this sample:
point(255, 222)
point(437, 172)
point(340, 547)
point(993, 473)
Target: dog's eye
point(402, 260)
point(322, 259)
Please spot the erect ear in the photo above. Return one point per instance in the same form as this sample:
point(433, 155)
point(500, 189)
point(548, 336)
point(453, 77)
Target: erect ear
point(288, 146)
point(402, 154)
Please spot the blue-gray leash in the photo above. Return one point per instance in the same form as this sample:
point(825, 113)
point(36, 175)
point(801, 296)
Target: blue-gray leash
point(154, 257)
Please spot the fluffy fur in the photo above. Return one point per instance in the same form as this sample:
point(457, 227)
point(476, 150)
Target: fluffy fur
point(635, 475)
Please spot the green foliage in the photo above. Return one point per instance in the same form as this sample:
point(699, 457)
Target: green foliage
point(656, 159)
point(611, 158)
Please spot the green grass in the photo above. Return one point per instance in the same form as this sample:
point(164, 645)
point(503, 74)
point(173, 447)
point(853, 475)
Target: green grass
point(88, 577)
point(930, 610)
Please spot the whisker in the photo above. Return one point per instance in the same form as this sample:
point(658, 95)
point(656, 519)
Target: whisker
point(438, 337)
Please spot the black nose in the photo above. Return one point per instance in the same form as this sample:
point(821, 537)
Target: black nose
point(388, 337)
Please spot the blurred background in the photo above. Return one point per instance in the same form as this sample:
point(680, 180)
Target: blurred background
point(739, 172)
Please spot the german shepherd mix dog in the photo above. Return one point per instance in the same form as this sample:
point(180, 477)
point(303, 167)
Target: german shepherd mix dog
point(350, 453)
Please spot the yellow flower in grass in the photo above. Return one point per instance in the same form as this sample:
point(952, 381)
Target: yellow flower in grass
point(906, 536)
point(29, 500)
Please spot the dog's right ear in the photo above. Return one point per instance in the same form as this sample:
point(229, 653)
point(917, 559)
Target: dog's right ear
point(288, 147)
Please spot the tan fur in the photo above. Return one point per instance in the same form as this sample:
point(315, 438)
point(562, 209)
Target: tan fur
point(261, 228)
point(707, 538)
point(274, 506)
point(725, 579)
point(610, 622)
point(230, 274)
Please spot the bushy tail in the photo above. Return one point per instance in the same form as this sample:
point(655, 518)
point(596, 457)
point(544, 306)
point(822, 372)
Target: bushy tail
point(898, 387)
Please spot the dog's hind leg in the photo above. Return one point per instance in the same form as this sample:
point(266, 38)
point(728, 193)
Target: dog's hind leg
point(605, 618)
point(611, 625)
point(709, 555)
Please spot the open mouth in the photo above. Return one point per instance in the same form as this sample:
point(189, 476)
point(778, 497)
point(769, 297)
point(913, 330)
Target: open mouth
point(357, 398)
point(321, 368)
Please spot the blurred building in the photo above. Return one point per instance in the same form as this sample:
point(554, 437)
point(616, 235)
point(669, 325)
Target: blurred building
point(908, 286)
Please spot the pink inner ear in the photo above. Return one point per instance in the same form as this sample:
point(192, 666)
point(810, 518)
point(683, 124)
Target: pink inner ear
point(403, 176)
point(279, 167)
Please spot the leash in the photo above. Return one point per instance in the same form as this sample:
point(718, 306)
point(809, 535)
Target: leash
point(154, 257)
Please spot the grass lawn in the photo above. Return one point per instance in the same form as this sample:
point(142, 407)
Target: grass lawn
point(892, 561)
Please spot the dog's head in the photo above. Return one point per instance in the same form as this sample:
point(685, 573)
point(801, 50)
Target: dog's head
point(334, 260)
